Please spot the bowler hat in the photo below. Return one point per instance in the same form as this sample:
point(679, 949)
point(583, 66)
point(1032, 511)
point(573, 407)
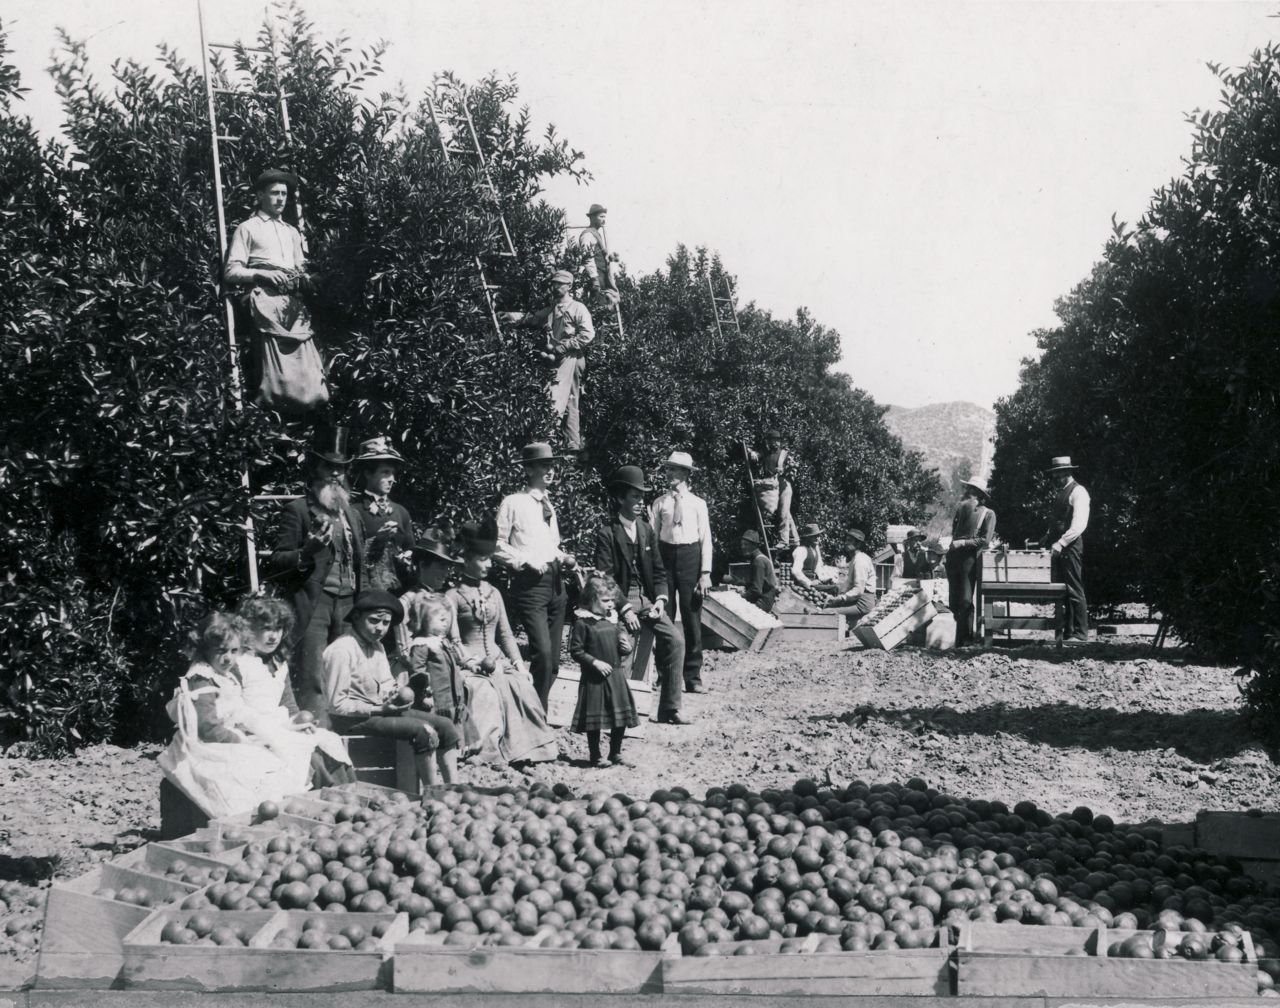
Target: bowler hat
point(751, 536)
point(378, 449)
point(431, 547)
point(597, 208)
point(1059, 462)
point(682, 460)
point(810, 531)
point(560, 276)
point(538, 451)
point(331, 444)
point(629, 476)
point(979, 484)
point(368, 601)
point(273, 175)
point(478, 538)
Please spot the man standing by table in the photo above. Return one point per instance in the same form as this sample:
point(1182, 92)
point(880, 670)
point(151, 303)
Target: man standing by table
point(569, 333)
point(680, 519)
point(857, 596)
point(1066, 540)
point(972, 529)
point(627, 550)
point(529, 544)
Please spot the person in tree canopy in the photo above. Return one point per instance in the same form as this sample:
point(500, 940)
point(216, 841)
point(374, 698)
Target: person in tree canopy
point(267, 262)
point(569, 333)
point(601, 267)
point(772, 485)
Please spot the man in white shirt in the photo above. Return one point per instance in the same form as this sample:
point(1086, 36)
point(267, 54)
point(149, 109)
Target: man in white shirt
point(529, 544)
point(857, 595)
point(680, 519)
point(1070, 519)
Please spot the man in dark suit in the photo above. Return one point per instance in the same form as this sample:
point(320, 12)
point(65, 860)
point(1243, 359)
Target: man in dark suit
point(627, 550)
point(972, 529)
point(317, 561)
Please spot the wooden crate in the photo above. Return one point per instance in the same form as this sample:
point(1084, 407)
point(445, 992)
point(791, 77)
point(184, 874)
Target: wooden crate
point(425, 965)
point(81, 945)
point(1252, 839)
point(383, 761)
point(730, 627)
point(884, 972)
point(1018, 960)
point(158, 858)
point(1016, 566)
point(151, 965)
point(892, 627)
point(800, 621)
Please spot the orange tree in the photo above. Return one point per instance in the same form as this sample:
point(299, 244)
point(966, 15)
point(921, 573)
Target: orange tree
point(120, 447)
point(1162, 377)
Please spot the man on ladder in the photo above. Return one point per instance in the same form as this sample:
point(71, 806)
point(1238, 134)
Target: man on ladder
point(569, 333)
point(601, 268)
point(267, 263)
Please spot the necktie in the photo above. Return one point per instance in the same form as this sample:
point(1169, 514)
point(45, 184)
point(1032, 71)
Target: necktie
point(677, 512)
point(547, 513)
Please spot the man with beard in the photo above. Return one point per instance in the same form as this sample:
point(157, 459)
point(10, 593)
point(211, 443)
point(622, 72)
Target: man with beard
point(317, 561)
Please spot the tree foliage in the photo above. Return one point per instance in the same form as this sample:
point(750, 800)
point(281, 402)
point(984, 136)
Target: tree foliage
point(122, 445)
point(1161, 379)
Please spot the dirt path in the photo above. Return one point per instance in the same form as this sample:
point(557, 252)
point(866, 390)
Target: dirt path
point(1102, 726)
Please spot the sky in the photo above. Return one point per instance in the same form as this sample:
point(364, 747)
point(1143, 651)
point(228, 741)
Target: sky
point(925, 178)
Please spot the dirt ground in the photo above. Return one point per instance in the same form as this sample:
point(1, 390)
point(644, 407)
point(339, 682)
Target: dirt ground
point(1105, 726)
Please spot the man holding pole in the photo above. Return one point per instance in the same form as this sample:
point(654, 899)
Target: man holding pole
point(601, 268)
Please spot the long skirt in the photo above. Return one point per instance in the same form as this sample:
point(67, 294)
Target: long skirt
point(508, 718)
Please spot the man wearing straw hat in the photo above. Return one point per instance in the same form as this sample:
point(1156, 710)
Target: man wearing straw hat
point(857, 596)
point(682, 523)
point(627, 549)
point(601, 267)
point(318, 561)
point(807, 558)
point(1066, 539)
point(972, 529)
point(529, 545)
point(569, 333)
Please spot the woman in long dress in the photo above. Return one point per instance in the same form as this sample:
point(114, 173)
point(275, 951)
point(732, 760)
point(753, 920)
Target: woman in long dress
point(485, 636)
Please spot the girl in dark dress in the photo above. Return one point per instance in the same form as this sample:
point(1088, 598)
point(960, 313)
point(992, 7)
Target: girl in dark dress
point(598, 644)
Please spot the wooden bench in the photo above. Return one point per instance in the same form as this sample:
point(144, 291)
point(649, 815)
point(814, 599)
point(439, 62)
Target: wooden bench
point(1027, 592)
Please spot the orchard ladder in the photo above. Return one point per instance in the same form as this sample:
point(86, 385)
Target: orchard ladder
point(457, 136)
point(280, 99)
point(724, 306)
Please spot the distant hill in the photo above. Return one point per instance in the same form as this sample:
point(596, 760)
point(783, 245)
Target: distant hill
point(944, 433)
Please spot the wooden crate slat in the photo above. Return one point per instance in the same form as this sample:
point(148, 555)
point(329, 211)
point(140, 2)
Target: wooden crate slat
point(1239, 835)
point(888, 972)
point(76, 921)
point(426, 968)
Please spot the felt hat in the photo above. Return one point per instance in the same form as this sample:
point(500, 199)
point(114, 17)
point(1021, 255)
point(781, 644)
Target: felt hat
point(273, 175)
point(478, 538)
point(915, 534)
point(979, 484)
point(1061, 462)
point(810, 531)
point(332, 445)
point(750, 536)
point(560, 276)
point(772, 434)
point(682, 460)
point(856, 535)
point(629, 476)
point(378, 449)
point(368, 601)
point(597, 208)
point(431, 547)
point(538, 451)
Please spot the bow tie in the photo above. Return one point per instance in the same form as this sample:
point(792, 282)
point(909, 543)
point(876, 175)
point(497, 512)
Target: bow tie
point(379, 505)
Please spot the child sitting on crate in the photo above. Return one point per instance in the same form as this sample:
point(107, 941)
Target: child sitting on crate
point(598, 644)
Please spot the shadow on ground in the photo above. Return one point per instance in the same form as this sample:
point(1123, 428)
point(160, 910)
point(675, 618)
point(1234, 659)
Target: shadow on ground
point(1202, 735)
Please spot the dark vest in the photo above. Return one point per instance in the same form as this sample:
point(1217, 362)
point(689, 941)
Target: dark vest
point(810, 565)
point(967, 520)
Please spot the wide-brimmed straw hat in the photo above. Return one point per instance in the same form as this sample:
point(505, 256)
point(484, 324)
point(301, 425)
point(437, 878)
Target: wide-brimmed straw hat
point(681, 460)
point(978, 484)
point(810, 531)
point(1060, 462)
point(369, 601)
